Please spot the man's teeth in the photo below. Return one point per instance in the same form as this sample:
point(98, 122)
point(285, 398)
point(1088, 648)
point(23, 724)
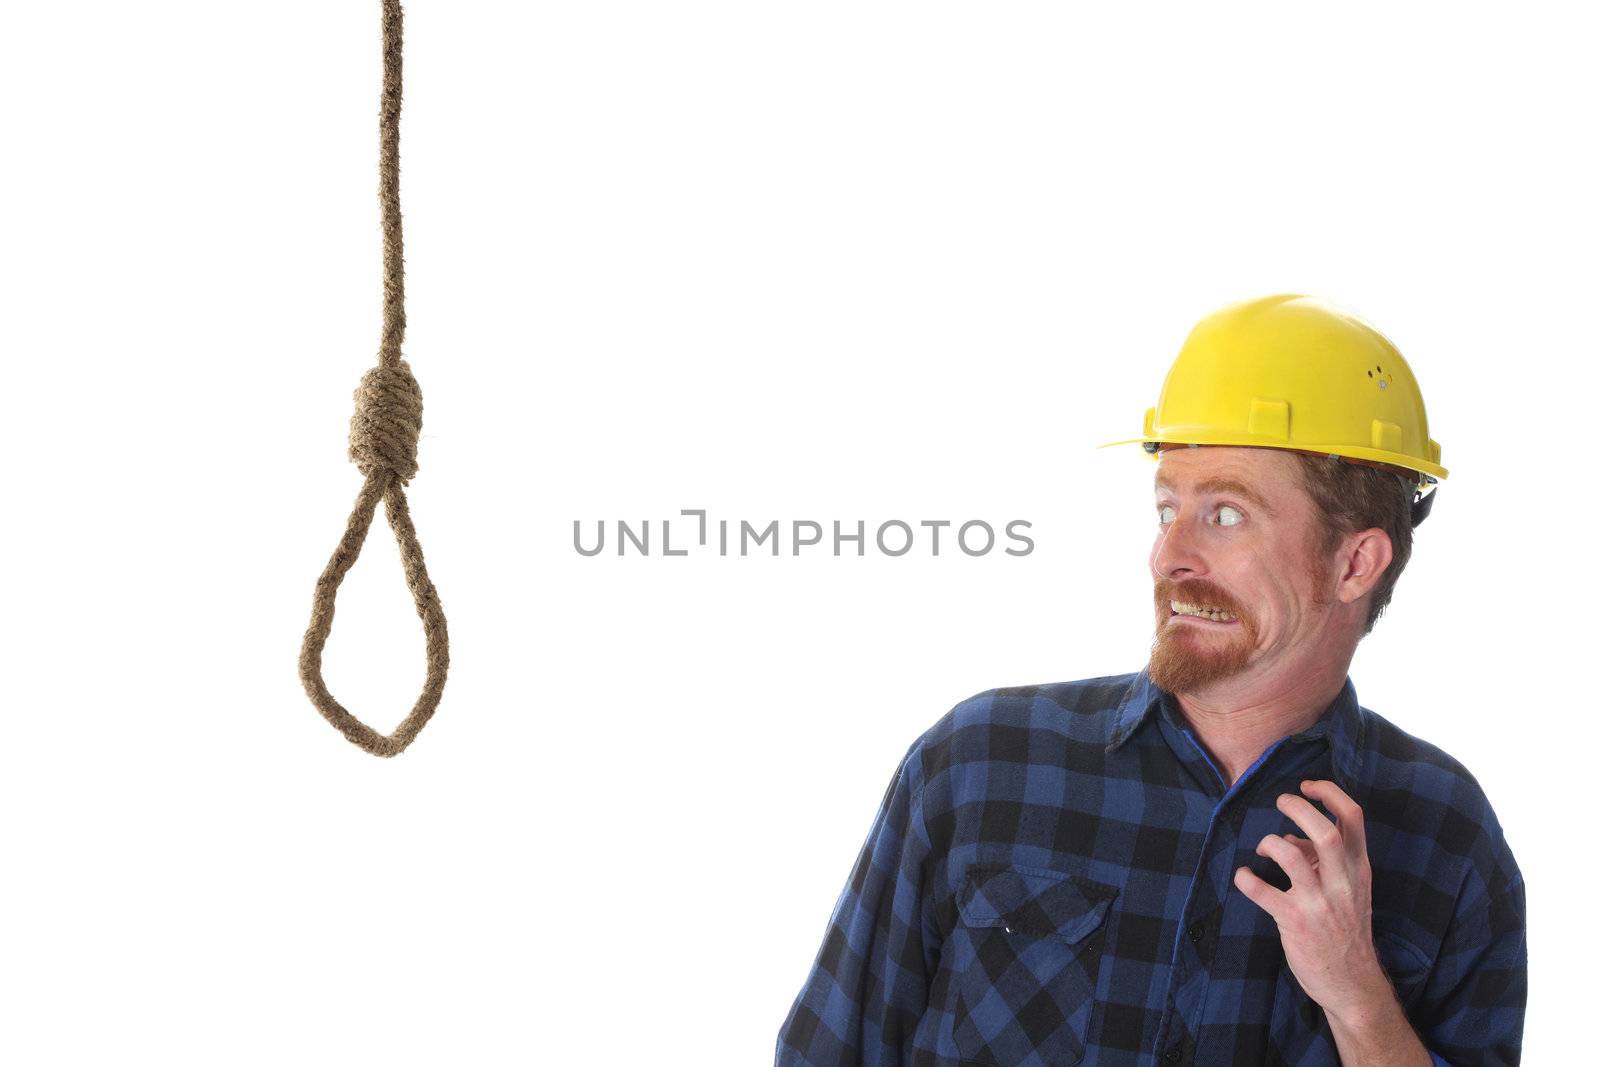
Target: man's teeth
point(1214, 614)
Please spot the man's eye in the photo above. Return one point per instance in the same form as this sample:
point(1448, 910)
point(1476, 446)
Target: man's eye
point(1166, 513)
point(1229, 516)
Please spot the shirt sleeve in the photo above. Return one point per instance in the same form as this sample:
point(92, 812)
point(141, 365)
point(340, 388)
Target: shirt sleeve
point(1473, 1003)
point(868, 987)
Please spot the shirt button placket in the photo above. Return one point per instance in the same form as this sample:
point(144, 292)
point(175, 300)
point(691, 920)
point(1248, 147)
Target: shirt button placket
point(1200, 938)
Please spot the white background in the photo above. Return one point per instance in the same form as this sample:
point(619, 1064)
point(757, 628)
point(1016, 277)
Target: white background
point(853, 261)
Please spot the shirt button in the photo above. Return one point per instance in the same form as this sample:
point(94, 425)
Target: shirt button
point(1173, 1054)
point(1197, 931)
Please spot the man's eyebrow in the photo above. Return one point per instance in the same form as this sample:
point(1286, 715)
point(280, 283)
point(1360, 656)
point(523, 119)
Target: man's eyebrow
point(1224, 487)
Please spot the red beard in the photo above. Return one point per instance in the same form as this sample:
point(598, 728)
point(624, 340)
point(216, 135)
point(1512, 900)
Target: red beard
point(1189, 654)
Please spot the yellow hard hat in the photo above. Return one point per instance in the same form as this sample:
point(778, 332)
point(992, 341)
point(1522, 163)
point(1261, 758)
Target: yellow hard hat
point(1296, 372)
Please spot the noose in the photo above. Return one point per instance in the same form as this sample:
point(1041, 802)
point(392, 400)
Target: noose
point(383, 445)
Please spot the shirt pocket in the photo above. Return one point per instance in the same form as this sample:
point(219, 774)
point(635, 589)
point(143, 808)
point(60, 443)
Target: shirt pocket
point(1406, 965)
point(1029, 943)
point(1300, 1032)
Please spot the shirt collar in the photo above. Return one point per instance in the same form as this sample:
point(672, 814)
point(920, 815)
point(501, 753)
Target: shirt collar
point(1343, 723)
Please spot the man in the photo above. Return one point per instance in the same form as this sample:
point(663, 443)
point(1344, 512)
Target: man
point(1222, 859)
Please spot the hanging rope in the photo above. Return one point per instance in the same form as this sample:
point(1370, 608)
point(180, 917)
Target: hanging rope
point(383, 446)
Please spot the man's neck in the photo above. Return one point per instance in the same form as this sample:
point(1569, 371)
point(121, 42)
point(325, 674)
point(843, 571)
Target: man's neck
point(1235, 720)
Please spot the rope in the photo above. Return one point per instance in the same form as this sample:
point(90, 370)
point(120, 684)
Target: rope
point(383, 446)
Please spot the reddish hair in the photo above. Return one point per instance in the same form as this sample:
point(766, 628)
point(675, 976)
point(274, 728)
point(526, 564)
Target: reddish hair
point(1351, 496)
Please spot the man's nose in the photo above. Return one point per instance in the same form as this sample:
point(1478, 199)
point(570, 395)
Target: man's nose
point(1177, 550)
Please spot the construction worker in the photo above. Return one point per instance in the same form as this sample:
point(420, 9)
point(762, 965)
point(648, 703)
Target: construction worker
point(1222, 858)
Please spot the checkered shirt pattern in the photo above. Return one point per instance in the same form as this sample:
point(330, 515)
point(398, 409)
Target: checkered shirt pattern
point(1049, 880)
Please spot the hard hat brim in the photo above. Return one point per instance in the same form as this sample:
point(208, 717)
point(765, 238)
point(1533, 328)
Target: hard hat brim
point(1371, 455)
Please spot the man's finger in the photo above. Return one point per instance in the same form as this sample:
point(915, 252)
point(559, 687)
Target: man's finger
point(1352, 823)
point(1302, 875)
point(1304, 846)
point(1268, 898)
point(1325, 838)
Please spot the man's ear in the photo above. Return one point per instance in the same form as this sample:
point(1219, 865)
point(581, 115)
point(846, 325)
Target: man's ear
point(1365, 557)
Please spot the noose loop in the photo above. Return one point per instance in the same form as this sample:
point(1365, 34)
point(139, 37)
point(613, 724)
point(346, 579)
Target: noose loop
point(383, 445)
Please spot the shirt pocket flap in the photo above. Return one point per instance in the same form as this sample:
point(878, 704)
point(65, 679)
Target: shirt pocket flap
point(1407, 965)
point(1034, 901)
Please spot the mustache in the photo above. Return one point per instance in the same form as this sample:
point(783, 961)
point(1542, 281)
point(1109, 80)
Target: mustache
point(1194, 591)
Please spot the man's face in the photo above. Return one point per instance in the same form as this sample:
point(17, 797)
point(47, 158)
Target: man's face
point(1236, 534)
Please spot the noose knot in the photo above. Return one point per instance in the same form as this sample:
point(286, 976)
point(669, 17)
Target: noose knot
point(387, 421)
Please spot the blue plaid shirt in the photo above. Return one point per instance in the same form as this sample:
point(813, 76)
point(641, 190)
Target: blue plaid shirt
point(1050, 881)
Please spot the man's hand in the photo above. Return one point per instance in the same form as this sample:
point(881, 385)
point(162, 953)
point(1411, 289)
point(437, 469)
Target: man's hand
point(1325, 917)
point(1325, 922)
